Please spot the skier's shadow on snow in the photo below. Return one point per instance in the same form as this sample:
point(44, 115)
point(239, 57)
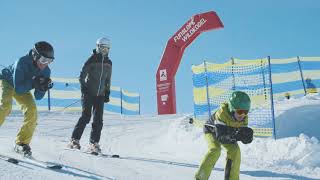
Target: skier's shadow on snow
point(274, 174)
point(68, 170)
point(250, 173)
point(77, 174)
point(90, 176)
point(159, 161)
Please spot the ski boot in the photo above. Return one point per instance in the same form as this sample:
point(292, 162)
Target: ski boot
point(74, 144)
point(94, 148)
point(23, 149)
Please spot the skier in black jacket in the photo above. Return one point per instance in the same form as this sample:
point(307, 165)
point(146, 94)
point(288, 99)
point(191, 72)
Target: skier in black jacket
point(95, 78)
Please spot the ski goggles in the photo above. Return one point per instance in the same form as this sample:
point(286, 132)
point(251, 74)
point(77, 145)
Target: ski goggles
point(42, 59)
point(45, 60)
point(242, 111)
point(104, 48)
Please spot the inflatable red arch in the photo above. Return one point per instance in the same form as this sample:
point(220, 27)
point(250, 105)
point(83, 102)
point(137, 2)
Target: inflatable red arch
point(166, 95)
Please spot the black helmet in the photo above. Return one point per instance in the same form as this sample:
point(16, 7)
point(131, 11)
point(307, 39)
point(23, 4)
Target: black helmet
point(45, 49)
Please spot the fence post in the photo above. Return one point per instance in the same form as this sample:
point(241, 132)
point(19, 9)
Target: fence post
point(264, 80)
point(301, 74)
point(120, 100)
point(271, 99)
point(194, 111)
point(49, 103)
point(139, 105)
point(207, 89)
point(233, 78)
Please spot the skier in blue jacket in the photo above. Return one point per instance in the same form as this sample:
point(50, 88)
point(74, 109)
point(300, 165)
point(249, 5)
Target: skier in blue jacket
point(17, 80)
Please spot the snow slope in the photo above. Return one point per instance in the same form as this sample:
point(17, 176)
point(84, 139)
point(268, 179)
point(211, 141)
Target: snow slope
point(166, 147)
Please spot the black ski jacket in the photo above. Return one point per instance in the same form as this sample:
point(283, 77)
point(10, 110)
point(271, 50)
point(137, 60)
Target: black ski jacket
point(95, 76)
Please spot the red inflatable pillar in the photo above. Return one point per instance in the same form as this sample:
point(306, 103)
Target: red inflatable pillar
point(166, 93)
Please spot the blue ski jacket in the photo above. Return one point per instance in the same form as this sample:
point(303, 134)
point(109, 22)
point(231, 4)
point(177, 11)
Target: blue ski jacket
point(20, 75)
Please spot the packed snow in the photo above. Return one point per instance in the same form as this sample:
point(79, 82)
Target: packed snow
point(165, 147)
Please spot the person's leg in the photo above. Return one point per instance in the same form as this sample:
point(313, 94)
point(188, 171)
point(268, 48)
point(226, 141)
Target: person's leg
point(232, 169)
point(5, 100)
point(85, 117)
point(29, 109)
point(97, 119)
point(209, 159)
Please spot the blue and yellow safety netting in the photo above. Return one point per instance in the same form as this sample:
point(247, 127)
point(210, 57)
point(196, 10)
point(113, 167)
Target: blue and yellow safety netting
point(213, 84)
point(66, 95)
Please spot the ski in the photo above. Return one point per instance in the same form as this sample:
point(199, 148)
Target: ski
point(95, 153)
point(49, 165)
point(31, 159)
point(110, 155)
point(103, 155)
point(9, 159)
point(13, 160)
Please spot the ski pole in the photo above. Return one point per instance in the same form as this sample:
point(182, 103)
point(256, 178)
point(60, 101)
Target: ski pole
point(71, 104)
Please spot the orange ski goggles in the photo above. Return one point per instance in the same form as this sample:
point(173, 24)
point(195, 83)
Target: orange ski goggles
point(241, 111)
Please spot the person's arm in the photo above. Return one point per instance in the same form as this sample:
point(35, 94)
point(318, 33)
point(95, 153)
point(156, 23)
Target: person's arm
point(83, 74)
point(245, 135)
point(209, 125)
point(39, 94)
point(108, 83)
point(21, 85)
point(225, 134)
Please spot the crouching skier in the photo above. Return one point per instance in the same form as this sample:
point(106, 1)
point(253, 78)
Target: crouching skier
point(29, 72)
point(95, 78)
point(225, 127)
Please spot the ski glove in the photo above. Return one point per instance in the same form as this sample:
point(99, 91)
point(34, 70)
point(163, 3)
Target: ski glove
point(106, 97)
point(42, 83)
point(84, 89)
point(225, 134)
point(245, 135)
point(227, 139)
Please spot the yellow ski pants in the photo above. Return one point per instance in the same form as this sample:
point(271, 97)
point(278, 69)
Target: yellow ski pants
point(28, 108)
point(232, 169)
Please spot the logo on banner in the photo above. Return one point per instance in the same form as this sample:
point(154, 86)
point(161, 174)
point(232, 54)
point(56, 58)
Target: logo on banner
point(163, 75)
point(164, 98)
point(191, 28)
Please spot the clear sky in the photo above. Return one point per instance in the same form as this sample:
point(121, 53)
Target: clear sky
point(140, 29)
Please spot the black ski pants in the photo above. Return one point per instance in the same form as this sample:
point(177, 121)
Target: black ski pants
point(90, 104)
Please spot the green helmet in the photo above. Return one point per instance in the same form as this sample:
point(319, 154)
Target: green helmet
point(239, 100)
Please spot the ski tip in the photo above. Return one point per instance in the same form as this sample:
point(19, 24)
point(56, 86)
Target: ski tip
point(115, 156)
point(12, 160)
point(94, 153)
point(54, 167)
point(110, 155)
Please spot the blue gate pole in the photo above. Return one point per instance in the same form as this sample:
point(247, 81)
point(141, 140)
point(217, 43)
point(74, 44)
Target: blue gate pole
point(207, 89)
point(271, 98)
point(139, 105)
point(301, 74)
point(49, 103)
point(120, 100)
point(194, 110)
